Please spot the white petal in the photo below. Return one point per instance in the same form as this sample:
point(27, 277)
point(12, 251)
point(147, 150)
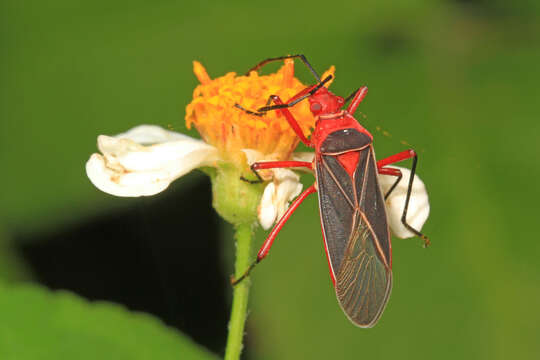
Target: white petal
point(128, 168)
point(267, 210)
point(418, 210)
point(252, 156)
point(114, 182)
point(288, 188)
point(152, 134)
point(283, 188)
point(277, 195)
point(303, 156)
point(135, 157)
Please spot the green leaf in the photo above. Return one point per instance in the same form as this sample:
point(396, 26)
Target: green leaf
point(40, 324)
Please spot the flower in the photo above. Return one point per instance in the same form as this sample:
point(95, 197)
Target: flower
point(283, 188)
point(146, 159)
point(231, 130)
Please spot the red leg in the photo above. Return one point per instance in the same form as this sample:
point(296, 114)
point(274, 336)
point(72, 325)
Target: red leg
point(392, 172)
point(290, 118)
point(272, 165)
point(302, 93)
point(404, 155)
point(283, 107)
point(265, 248)
point(389, 171)
point(358, 97)
point(280, 164)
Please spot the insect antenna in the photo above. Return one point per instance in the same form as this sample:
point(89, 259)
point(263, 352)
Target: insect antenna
point(301, 57)
point(292, 103)
point(348, 98)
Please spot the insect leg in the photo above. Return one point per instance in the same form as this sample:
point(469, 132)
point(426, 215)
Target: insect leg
point(265, 248)
point(250, 112)
point(404, 155)
point(272, 165)
point(307, 92)
point(281, 164)
point(256, 113)
point(301, 57)
point(281, 106)
point(393, 172)
point(290, 119)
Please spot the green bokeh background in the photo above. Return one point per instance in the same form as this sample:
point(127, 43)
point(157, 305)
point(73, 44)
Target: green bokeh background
point(458, 80)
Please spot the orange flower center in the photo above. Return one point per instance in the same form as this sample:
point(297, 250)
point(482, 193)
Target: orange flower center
point(230, 129)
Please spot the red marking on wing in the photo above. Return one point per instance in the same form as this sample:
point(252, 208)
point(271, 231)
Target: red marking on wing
point(349, 161)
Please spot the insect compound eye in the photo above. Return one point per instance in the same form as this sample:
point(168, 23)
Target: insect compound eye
point(315, 107)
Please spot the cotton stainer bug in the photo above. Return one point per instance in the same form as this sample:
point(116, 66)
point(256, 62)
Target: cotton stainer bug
point(352, 206)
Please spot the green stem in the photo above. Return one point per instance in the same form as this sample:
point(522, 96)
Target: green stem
point(240, 293)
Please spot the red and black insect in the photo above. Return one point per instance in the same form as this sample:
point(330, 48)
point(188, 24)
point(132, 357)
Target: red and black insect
point(352, 206)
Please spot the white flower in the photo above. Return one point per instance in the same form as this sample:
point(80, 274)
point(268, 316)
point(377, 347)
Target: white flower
point(283, 188)
point(146, 159)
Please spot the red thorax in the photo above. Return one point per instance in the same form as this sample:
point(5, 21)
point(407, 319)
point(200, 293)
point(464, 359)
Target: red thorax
point(330, 116)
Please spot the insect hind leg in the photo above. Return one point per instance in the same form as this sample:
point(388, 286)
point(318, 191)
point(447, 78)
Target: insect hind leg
point(393, 172)
point(265, 248)
point(407, 199)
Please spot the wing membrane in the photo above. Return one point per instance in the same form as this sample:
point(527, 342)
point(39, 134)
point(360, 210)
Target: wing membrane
point(363, 282)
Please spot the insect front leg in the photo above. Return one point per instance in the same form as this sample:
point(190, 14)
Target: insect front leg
point(253, 112)
point(272, 165)
point(283, 107)
point(404, 155)
point(265, 248)
point(280, 106)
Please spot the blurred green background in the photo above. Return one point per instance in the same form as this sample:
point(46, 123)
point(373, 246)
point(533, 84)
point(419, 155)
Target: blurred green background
point(458, 80)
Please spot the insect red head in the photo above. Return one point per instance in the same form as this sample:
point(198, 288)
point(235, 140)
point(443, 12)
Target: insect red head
point(324, 102)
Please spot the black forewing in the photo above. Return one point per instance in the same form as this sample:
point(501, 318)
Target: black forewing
point(356, 234)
